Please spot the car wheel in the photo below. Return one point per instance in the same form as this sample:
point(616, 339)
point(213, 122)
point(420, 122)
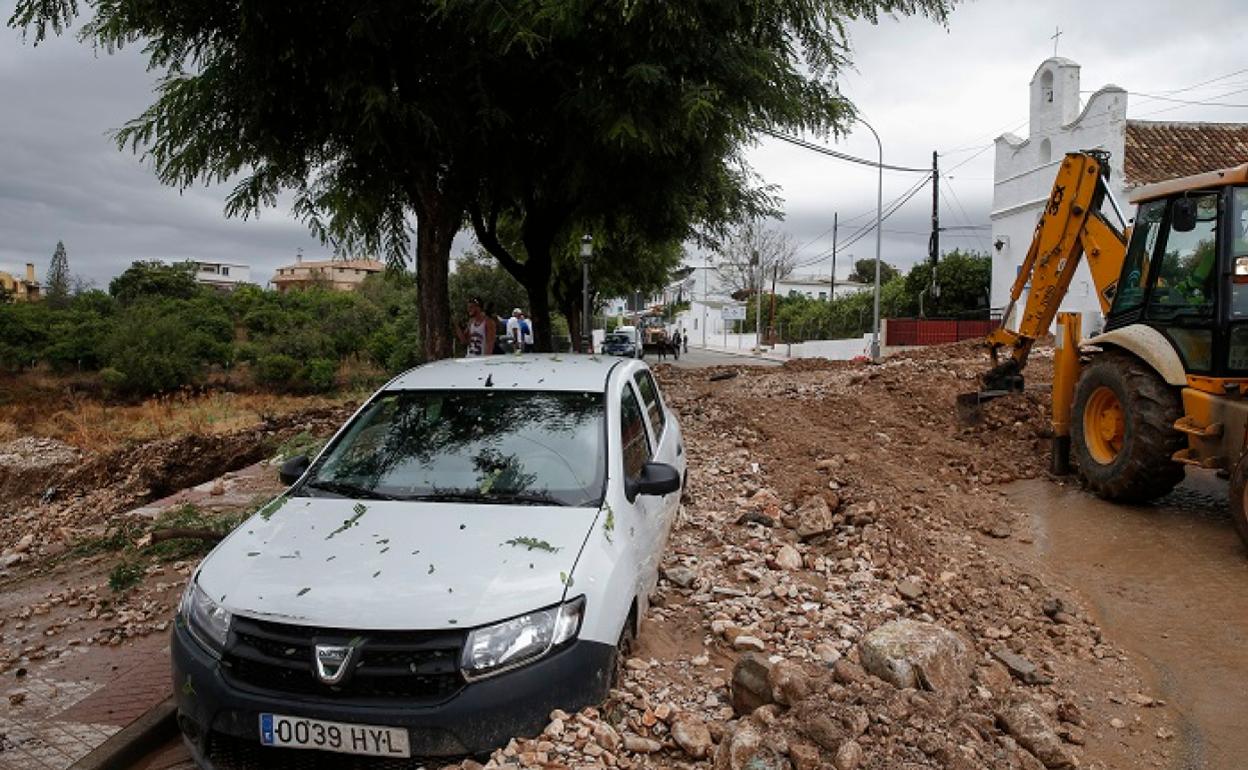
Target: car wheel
point(624, 646)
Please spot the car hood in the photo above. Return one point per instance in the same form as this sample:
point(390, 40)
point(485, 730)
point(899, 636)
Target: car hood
point(381, 565)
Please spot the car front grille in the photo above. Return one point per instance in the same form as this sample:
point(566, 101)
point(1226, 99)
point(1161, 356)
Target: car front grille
point(419, 666)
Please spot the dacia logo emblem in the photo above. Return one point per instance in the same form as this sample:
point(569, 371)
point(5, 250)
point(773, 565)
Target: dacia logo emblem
point(333, 661)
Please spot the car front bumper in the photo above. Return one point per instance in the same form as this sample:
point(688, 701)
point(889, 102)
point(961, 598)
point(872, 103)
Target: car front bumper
point(481, 717)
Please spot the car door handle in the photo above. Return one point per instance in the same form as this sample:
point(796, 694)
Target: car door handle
point(680, 449)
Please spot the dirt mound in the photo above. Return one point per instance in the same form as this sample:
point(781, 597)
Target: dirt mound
point(90, 490)
point(27, 464)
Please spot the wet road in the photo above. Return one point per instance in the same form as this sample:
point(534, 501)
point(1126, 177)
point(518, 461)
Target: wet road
point(697, 358)
point(1169, 583)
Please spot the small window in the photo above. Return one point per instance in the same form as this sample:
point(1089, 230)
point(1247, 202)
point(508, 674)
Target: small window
point(1046, 151)
point(650, 395)
point(823, 295)
point(225, 270)
point(1134, 278)
point(633, 439)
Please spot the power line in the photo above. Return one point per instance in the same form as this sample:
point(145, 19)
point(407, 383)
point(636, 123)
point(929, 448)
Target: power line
point(833, 153)
point(865, 230)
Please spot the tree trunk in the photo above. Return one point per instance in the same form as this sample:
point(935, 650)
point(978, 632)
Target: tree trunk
point(437, 224)
point(538, 238)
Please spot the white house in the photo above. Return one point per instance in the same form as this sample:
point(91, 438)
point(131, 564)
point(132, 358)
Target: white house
point(222, 275)
point(816, 287)
point(1140, 151)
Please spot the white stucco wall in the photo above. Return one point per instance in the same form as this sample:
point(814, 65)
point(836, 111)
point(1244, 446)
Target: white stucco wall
point(1024, 171)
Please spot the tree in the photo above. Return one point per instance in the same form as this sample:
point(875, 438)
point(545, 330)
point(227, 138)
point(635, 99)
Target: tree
point(864, 272)
point(154, 279)
point(376, 112)
point(57, 291)
point(755, 250)
point(964, 279)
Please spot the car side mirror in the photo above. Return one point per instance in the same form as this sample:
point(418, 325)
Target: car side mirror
point(1183, 215)
point(654, 479)
point(292, 469)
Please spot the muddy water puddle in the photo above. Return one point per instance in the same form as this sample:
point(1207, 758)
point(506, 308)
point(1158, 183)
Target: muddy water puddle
point(1168, 583)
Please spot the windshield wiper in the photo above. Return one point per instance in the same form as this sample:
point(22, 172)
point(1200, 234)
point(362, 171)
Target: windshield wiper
point(520, 498)
point(348, 490)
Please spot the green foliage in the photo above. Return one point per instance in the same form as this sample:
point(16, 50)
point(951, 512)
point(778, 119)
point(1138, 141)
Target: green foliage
point(277, 370)
point(154, 279)
point(159, 334)
point(478, 275)
point(126, 575)
point(864, 272)
point(56, 288)
point(964, 280)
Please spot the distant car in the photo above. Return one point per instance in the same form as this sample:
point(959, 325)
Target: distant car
point(619, 343)
point(469, 552)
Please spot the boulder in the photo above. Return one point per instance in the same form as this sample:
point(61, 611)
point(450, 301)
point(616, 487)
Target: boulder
point(743, 749)
point(1027, 723)
point(814, 518)
point(692, 736)
point(848, 756)
point(680, 576)
point(788, 558)
point(750, 685)
point(910, 653)
point(789, 683)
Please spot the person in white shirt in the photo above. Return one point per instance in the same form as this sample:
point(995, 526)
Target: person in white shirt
point(514, 331)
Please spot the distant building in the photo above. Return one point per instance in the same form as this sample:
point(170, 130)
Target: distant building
point(815, 287)
point(222, 275)
point(22, 289)
point(1141, 152)
point(339, 275)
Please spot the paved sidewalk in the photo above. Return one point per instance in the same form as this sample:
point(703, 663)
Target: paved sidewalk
point(769, 355)
point(51, 718)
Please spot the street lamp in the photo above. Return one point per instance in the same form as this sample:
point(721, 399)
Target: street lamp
point(587, 251)
point(879, 212)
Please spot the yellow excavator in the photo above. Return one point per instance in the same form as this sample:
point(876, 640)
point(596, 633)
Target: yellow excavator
point(1165, 384)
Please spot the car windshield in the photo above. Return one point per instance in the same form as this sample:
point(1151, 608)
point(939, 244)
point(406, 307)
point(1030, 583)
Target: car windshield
point(617, 338)
point(486, 446)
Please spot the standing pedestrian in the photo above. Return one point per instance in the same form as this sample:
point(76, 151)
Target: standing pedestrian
point(515, 330)
point(526, 329)
point(676, 338)
point(684, 339)
point(478, 333)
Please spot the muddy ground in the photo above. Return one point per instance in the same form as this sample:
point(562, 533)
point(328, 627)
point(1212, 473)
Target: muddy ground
point(827, 501)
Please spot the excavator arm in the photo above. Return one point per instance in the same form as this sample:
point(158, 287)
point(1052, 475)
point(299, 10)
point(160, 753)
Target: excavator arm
point(1070, 228)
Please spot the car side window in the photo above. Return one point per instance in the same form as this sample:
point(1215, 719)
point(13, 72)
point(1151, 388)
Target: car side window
point(650, 395)
point(633, 438)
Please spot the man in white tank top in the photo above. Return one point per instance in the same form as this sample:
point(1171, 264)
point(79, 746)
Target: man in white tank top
point(478, 335)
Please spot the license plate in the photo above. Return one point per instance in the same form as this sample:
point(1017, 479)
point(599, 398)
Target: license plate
point(301, 733)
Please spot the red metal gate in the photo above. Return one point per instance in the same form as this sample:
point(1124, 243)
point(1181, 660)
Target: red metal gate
point(933, 331)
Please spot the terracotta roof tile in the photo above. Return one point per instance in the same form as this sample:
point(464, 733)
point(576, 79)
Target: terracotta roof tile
point(1156, 151)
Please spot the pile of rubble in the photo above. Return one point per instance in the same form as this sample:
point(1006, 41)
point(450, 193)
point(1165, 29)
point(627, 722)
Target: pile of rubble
point(837, 599)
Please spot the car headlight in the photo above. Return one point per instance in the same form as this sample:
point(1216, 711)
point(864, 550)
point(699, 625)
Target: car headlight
point(493, 649)
point(206, 620)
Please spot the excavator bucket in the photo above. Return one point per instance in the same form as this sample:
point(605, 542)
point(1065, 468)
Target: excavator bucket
point(969, 404)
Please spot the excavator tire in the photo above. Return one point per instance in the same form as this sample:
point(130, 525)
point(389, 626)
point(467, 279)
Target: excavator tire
point(1239, 491)
point(1122, 429)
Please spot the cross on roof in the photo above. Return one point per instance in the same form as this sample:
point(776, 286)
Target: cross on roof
point(1054, 37)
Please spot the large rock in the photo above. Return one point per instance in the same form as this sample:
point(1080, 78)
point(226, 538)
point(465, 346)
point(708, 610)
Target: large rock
point(848, 756)
point(1031, 729)
point(692, 736)
point(751, 687)
point(743, 749)
point(789, 683)
point(908, 653)
point(814, 517)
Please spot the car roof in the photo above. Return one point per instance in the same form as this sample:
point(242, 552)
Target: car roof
point(529, 371)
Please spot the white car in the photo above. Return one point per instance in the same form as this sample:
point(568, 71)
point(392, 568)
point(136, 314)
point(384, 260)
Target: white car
point(468, 553)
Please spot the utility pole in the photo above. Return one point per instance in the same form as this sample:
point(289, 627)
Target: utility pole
point(832, 292)
point(775, 271)
point(933, 243)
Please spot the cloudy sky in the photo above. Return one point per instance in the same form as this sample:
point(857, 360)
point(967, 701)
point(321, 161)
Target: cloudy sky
point(924, 87)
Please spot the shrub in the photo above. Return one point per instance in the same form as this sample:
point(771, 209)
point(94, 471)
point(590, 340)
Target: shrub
point(319, 374)
point(276, 370)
